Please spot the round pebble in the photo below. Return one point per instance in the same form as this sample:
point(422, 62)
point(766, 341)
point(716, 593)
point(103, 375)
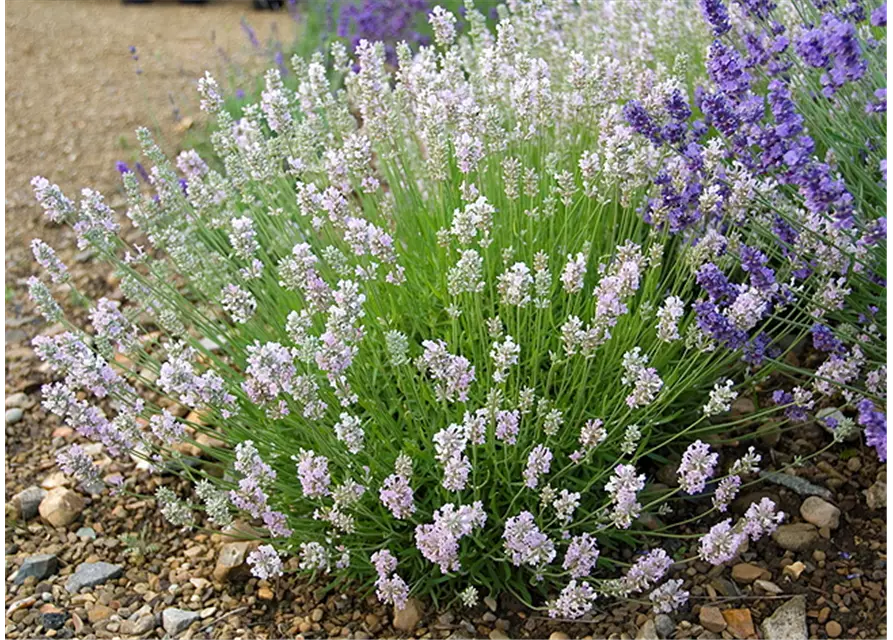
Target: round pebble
point(13, 415)
point(833, 629)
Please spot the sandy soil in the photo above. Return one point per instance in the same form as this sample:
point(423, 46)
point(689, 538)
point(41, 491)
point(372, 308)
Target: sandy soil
point(74, 98)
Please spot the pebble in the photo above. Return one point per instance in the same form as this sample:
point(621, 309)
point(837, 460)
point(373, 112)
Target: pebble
point(647, 631)
point(820, 512)
point(55, 479)
point(60, 507)
point(711, 618)
point(740, 623)
point(39, 567)
point(141, 624)
point(91, 574)
point(176, 621)
point(317, 615)
point(876, 495)
point(232, 562)
point(794, 570)
point(664, 625)
point(746, 573)
point(768, 587)
point(559, 635)
point(27, 502)
point(54, 620)
point(833, 629)
point(498, 634)
point(17, 400)
point(408, 617)
point(14, 415)
point(265, 593)
point(99, 612)
point(86, 533)
point(788, 622)
point(796, 537)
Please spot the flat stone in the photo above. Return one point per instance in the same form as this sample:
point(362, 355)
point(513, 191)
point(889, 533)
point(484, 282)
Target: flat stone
point(91, 574)
point(60, 507)
point(711, 618)
point(408, 617)
point(740, 623)
point(40, 566)
point(14, 415)
point(86, 533)
point(27, 502)
point(498, 634)
point(726, 587)
point(176, 621)
point(99, 612)
point(768, 587)
point(820, 513)
point(876, 495)
point(746, 573)
point(788, 622)
point(141, 624)
point(647, 631)
point(796, 537)
point(796, 484)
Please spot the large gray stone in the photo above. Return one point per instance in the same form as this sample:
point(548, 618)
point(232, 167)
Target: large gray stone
point(176, 621)
point(788, 622)
point(90, 574)
point(39, 566)
point(27, 502)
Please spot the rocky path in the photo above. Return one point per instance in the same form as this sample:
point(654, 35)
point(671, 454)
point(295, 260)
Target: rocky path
point(101, 566)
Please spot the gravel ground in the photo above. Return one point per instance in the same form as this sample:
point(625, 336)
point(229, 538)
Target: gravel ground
point(71, 119)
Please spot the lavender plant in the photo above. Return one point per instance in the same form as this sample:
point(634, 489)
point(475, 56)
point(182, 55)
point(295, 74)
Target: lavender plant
point(417, 326)
point(795, 104)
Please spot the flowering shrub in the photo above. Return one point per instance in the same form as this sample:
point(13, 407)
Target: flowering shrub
point(436, 329)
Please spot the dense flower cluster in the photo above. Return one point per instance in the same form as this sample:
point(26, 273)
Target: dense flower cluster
point(779, 78)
